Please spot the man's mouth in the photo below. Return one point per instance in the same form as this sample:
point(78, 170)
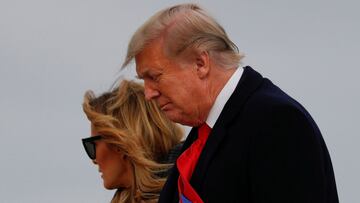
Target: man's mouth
point(164, 106)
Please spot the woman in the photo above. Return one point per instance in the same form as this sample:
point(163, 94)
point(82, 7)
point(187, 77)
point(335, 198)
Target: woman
point(130, 137)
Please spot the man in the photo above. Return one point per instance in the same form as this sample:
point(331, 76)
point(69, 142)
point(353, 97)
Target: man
point(250, 141)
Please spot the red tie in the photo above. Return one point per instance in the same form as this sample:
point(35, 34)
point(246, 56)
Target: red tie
point(186, 164)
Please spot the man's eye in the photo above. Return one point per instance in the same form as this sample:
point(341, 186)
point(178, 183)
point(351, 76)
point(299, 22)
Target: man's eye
point(155, 77)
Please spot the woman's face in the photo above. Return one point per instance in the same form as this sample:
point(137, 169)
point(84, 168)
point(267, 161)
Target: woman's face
point(114, 166)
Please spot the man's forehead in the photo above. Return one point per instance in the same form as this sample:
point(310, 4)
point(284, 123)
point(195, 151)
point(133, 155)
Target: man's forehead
point(146, 58)
point(149, 61)
point(141, 64)
point(145, 71)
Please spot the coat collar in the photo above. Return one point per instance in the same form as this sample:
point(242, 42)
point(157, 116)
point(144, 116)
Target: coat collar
point(248, 83)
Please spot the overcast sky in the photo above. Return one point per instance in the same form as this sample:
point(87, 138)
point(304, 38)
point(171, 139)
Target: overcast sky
point(52, 51)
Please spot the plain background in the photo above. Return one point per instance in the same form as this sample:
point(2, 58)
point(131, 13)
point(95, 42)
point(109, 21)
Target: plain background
point(52, 51)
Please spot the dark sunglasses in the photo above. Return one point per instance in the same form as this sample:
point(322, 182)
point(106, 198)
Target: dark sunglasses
point(89, 145)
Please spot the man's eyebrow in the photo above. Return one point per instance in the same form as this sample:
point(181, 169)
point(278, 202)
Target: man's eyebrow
point(144, 73)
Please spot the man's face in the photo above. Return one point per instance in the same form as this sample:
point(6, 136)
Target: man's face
point(174, 85)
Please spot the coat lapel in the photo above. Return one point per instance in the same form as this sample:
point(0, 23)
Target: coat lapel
point(248, 83)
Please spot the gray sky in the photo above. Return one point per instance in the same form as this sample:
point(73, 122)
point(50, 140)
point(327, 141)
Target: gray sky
point(52, 51)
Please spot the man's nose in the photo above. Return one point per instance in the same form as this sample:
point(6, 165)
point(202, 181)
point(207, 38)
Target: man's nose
point(150, 93)
point(94, 161)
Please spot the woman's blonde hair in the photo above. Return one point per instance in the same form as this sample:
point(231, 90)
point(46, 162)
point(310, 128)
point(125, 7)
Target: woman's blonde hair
point(140, 130)
point(185, 27)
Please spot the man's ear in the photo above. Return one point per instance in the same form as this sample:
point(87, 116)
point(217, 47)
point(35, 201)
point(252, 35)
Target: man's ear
point(202, 64)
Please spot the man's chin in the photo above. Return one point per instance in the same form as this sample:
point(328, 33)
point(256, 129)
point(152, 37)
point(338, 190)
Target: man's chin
point(174, 117)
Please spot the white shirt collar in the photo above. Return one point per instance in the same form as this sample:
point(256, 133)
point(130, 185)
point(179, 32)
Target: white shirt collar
point(223, 97)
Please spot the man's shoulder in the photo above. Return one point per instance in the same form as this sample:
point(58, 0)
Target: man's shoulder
point(267, 100)
point(259, 92)
point(268, 95)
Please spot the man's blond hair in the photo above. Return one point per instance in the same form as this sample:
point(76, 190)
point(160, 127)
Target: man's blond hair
point(185, 27)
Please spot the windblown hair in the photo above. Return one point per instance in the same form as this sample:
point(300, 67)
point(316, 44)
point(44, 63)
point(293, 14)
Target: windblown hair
point(185, 27)
point(142, 132)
